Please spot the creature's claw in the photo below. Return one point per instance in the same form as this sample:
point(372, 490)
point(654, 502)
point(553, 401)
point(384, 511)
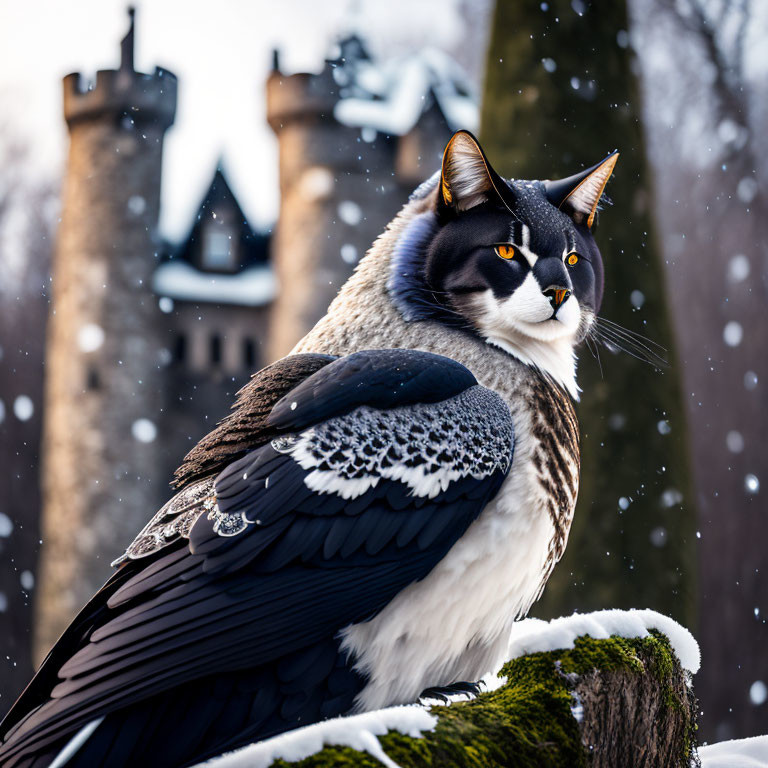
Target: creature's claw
point(441, 693)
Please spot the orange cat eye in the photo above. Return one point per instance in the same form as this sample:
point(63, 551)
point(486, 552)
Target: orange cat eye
point(506, 251)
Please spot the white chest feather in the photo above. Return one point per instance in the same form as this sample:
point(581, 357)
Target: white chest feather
point(454, 624)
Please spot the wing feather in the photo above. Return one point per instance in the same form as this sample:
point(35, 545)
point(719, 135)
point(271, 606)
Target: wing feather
point(315, 530)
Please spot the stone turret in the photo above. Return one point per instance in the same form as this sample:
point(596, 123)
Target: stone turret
point(354, 140)
point(104, 390)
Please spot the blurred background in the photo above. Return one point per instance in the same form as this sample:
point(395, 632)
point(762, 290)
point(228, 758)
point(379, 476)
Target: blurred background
point(177, 215)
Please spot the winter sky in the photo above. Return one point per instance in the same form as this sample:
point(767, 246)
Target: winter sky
point(221, 53)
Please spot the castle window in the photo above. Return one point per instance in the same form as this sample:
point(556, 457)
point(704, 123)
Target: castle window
point(219, 250)
point(92, 380)
point(215, 349)
point(249, 354)
point(180, 348)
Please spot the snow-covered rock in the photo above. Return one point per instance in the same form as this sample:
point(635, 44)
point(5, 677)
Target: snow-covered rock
point(534, 635)
point(359, 732)
point(362, 732)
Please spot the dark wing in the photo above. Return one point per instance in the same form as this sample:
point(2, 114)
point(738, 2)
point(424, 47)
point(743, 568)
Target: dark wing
point(384, 459)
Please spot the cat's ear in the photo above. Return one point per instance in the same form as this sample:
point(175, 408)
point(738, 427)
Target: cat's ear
point(578, 195)
point(466, 177)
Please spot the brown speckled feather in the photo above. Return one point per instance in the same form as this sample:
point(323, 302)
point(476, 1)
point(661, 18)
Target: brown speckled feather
point(245, 428)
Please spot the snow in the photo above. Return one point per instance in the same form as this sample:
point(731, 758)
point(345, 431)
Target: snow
point(550, 65)
point(144, 430)
point(750, 380)
point(738, 268)
point(27, 580)
point(350, 212)
point(165, 304)
point(758, 693)
point(670, 497)
point(752, 483)
point(734, 441)
point(733, 333)
point(6, 526)
point(137, 205)
point(658, 536)
point(349, 253)
point(742, 753)
point(316, 183)
point(746, 190)
point(390, 97)
point(90, 337)
point(253, 287)
point(359, 732)
point(23, 408)
point(535, 635)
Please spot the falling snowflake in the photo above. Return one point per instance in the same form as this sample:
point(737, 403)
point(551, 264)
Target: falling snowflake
point(23, 408)
point(758, 693)
point(733, 333)
point(90, 337)
point(350, 212)
point(144, 430)
point(349, 253)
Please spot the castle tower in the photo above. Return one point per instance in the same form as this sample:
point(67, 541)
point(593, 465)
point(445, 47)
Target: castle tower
point(354, 141)
point(101, 476)
point(325, 216)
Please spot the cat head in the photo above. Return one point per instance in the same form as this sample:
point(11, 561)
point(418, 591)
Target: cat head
point(512, 261)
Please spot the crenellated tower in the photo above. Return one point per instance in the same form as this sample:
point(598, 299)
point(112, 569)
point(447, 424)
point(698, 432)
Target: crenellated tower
point(102, 473)
point(354, 141)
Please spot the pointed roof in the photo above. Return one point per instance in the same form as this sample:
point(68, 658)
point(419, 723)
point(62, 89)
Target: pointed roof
point(220, 207)
point(187, 275)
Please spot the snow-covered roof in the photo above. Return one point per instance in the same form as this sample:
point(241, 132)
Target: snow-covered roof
point(253, 287)
point(391, 96)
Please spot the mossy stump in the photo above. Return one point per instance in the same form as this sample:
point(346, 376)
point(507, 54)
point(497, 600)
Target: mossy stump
point(612, 702)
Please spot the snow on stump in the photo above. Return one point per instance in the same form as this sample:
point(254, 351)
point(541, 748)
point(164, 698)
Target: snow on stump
point(612, 688)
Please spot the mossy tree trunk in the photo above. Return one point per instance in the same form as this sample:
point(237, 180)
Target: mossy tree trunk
point(559, 95)
point(605, 703)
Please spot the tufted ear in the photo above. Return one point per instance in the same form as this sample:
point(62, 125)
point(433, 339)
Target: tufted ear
point(466, 177)
point(578, 195)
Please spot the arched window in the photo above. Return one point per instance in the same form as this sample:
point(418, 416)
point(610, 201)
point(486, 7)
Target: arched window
point(215, 349)
point(180, 348)
point(249, 354)
point(93, 381)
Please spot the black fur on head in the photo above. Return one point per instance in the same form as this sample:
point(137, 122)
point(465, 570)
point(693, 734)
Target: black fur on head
point(494, 253)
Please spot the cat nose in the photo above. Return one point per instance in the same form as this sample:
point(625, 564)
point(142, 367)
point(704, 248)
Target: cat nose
point(557, 295)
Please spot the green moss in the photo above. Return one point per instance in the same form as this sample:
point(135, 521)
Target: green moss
point(526, 722)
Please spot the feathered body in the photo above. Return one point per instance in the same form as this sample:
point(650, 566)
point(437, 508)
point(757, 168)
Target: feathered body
point(462, 612)
point(378, 509)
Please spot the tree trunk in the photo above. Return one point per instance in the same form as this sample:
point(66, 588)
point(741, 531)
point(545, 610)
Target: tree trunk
point(712, 202)
point(605, 703)
point(559, 95)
